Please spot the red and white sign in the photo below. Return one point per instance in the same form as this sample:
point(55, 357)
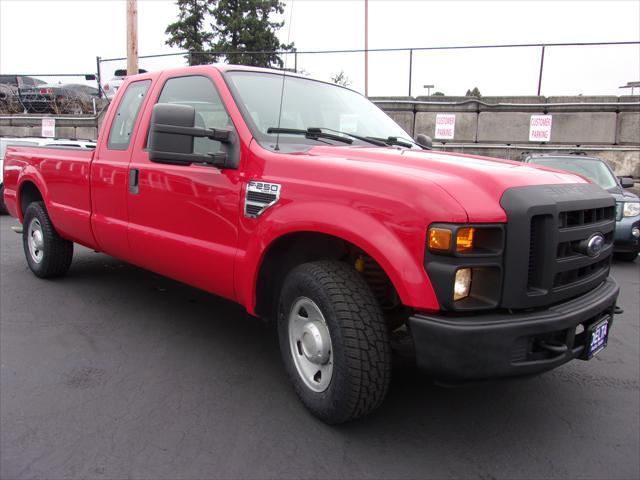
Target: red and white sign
point(49, 127)
point(540, 128)
point(445, 126)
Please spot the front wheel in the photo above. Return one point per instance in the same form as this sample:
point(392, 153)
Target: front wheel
point(48, 254)
point(333, 340)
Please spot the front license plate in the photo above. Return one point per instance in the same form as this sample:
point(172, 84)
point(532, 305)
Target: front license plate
point(598, 336)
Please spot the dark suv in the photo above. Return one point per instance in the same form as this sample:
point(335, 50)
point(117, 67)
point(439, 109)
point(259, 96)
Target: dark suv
point(627, 233)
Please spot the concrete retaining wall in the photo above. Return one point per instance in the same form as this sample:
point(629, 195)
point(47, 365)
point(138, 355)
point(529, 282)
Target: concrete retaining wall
point(82, 128)
point(576, 120)
point(490, 123)
point(504, 127)
point(628, 131)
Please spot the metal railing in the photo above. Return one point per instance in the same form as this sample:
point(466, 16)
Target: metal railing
point(190, 55)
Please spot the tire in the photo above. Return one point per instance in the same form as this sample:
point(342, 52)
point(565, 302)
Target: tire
point(3, 206)
point(627, 256)
point(48, 254)
point(353, 353)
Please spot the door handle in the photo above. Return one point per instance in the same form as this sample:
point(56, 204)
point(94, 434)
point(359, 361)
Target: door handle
point(134, 175)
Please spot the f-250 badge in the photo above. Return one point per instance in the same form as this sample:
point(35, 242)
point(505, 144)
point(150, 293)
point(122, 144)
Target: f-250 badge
point(259, 197)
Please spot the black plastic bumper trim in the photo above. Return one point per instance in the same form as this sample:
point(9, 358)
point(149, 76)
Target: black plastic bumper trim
point(482, 346)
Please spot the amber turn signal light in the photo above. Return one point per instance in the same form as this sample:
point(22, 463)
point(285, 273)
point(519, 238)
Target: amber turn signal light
point(464, 239)
point(439, 239)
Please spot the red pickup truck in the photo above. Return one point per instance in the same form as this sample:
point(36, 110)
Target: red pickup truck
point(305, 203)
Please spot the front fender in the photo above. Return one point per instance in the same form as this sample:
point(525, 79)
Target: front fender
point(403, 266)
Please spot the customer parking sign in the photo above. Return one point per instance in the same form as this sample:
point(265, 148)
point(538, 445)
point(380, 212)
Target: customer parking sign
point(445, 126)
point(540, 128)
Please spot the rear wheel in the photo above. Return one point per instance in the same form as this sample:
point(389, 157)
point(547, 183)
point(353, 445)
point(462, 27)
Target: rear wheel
point(48, 254)
point(333, 340)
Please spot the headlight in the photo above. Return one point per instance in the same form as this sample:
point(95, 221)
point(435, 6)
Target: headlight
point(439, 239)
point(464, 262)
point(631, 209)
point(462, 284)
point(465, 240)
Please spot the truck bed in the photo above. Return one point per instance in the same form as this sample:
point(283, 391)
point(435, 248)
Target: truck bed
point(62, 174)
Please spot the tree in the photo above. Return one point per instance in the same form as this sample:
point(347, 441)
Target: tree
point(473, 93)
point(243, 26)
point(438, 94)
point(341, 79)
point(188, 34)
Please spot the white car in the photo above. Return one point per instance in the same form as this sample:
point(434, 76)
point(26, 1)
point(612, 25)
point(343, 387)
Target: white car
point(111, 87)
point(33, 142)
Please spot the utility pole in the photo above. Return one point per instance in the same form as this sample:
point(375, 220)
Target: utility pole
point(366, 48)
point(541, 67)
point(132, 37)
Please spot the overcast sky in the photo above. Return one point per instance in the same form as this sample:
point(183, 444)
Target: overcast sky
point(66, 36)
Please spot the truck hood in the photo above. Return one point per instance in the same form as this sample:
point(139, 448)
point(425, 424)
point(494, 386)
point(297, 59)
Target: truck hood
point(476, 183)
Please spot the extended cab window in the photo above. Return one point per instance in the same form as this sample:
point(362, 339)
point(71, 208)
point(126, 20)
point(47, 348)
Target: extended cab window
point(125, 119)
point(200, 93)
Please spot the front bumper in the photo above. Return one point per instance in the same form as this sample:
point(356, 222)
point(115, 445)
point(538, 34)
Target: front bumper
point(501, 344)
point(623, 241)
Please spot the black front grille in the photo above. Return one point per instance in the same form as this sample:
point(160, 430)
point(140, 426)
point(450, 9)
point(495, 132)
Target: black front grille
point(536, 252)
point(573, 265)
point(546, 259)
point(569, 277)
point(589, 216)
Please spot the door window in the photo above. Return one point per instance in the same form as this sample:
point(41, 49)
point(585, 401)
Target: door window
point(126, 115)
point(198, 92)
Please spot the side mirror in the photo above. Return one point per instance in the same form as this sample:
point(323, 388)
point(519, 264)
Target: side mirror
point(626, 182)
point(424, 141)
point(172, 133)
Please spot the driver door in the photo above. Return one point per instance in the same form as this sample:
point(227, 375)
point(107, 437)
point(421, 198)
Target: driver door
point(183, 219)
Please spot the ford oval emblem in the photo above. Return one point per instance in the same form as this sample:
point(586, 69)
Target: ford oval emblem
point(595, 244)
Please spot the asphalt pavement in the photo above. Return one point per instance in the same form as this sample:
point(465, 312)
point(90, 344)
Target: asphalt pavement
point(115, 372)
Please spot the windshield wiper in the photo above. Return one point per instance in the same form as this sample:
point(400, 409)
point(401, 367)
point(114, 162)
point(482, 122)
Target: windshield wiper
point(372, 140)
point(321, 132)
point(311, 133)
point(393, 141)
point(380, 142)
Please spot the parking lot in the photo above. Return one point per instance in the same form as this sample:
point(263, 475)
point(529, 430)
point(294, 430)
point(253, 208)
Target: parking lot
point(115, 372)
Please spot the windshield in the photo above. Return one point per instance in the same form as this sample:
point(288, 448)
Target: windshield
point(595, 170)
point(306, 104)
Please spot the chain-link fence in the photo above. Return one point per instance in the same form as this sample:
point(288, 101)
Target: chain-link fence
point(514, 69)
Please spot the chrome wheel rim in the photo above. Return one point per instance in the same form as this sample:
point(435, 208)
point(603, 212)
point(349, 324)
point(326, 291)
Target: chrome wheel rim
point(35, 239)
point(310, 344)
